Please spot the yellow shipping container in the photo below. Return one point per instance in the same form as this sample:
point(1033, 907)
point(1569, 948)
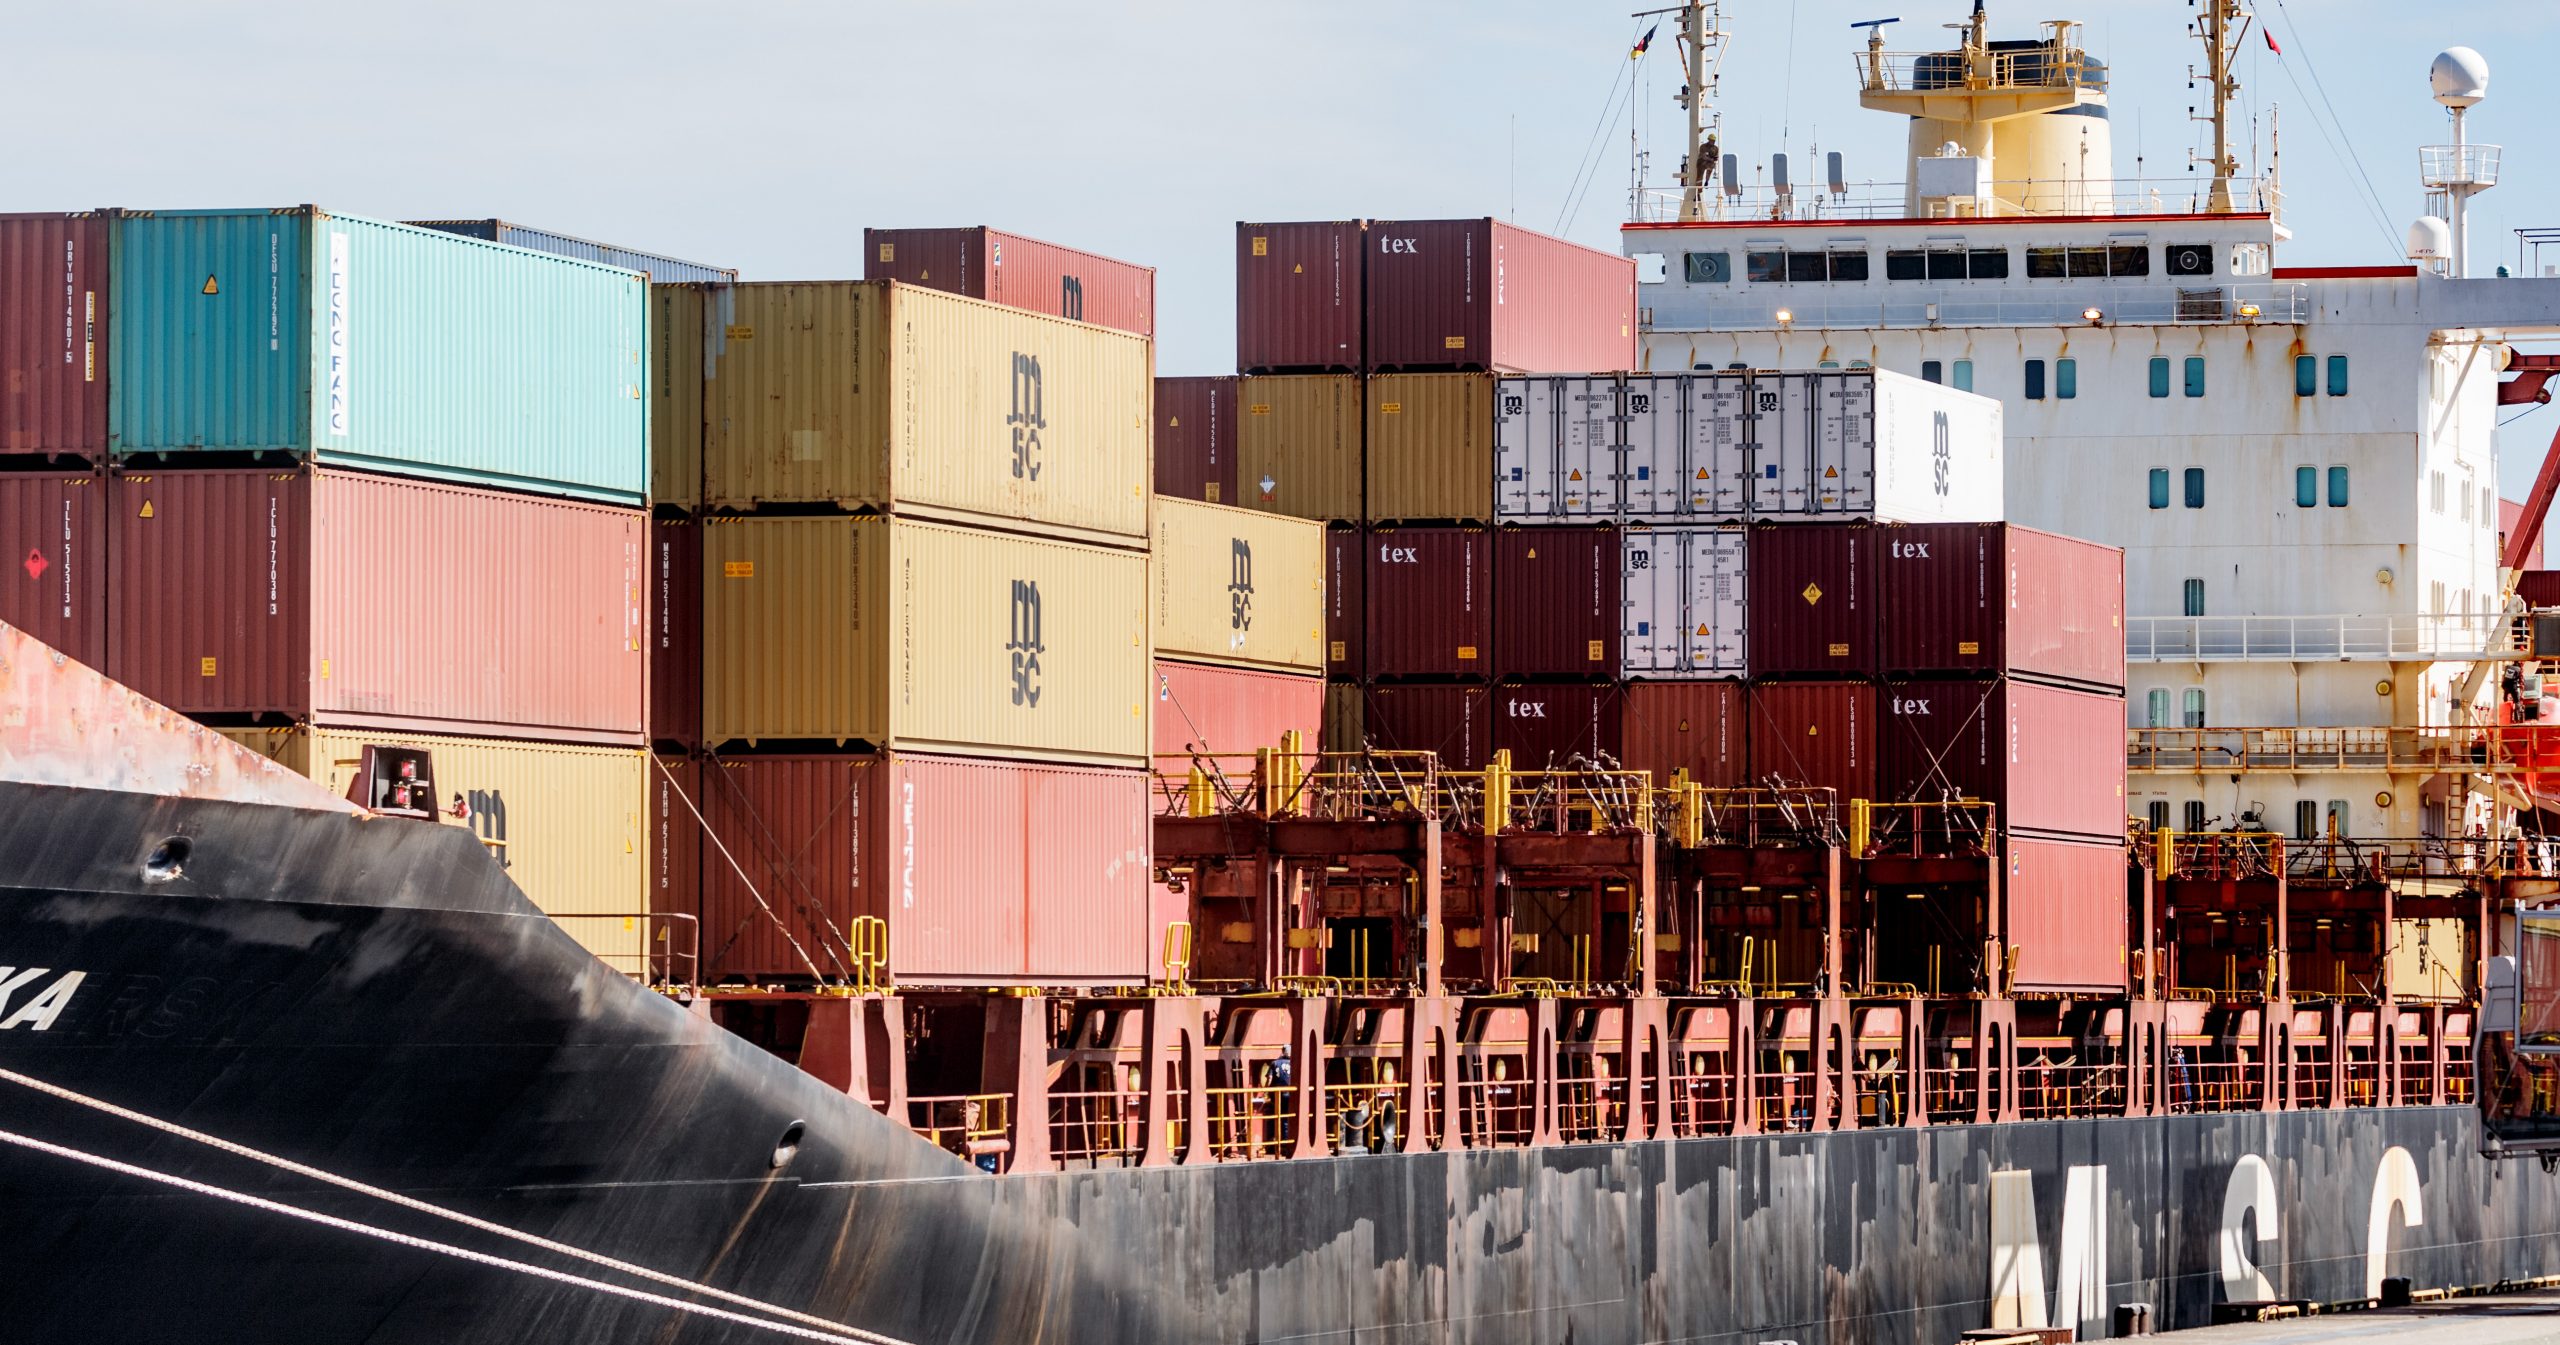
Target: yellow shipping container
point(877, 395)
point(1431, 448)
point(675, 394)
point(568, 823)
point(1298, 446)
point(1239, 587)
point(890, 633)
point(2428, 958)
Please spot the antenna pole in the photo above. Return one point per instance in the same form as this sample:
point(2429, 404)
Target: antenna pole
point(2225, 23)
point(1693, 65)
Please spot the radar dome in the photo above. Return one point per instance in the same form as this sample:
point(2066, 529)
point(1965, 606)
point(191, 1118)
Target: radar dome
point(2430, 239)
point(2460, 76)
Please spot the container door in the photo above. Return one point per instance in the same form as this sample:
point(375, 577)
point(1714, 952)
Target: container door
point(1712, 561)
point(1845, 433)
point(1782, 445)
point(1718, 465)
point(1524, 458)
point(1650, 480)
point(1650, 582)
point(1586, 468)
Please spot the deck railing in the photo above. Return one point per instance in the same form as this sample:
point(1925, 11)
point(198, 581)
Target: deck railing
point(2393, 637)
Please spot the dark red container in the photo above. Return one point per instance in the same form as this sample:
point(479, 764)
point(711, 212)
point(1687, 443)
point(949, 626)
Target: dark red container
point(1482, 294)
point(1556, 609)
point(1429, 602)
point(1974, 599)
point(1346, 588)
point(348, 599)
point(53, 553)
point(1196, 438)
point(1812, 600)
point(1698, 727)
point(1815, 734)
point(2539, 588)
point(2052, 758)
point(1455, 721)
point(53, 335)
point(986, 872)
point(1547, 725)
point(1200, 708)
point(1298, 297)
point(1018, 272)
point(2067, 914)
point(675, 840)
point(675, 631)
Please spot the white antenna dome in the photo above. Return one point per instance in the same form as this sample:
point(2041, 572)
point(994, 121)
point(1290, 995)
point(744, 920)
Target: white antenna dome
point(2460, 76)
point(2430, 239)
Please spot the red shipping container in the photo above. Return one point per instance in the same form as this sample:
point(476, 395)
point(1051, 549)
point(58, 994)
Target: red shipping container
point(1298, 297)
point(1819, 735)
point(346, 599)
point(2539, 588)
point(1696, 727)
point(1231, 710)
point(1994, 598)
point(1811, 602)
point(675, 847)
point(2051, 758)
point(987, 872)
point(1346, 589)
point(1452, 720)
point(1196, 438)
point(1546, 726)
point(1018, 272)
point(1557, 612)
point(675, 631)
point(53, 335)
point(2067, 914)
point(53, 552)
point(1482, 294)
point(1429, 602)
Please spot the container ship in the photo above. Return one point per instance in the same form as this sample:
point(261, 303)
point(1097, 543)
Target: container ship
point(1739, 789)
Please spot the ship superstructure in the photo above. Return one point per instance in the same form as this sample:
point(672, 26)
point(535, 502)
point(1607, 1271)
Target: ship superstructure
point(2299, 461)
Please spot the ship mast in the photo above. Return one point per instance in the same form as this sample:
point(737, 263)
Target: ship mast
point(1701, 50)
point(2224, 24)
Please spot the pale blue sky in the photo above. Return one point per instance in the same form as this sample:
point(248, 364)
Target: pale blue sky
point(767, 135)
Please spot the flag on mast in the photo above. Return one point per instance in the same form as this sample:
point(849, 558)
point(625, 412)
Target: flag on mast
point(2270, 36)
point(1643, 42)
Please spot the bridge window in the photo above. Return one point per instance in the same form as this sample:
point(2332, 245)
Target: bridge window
point(2159, 814)
point(1988, 263)
point(2035, 380)
point(2306, 820)
point(2195, 814)
point(1964, 376)
point(1808, 266)
point(2338, 825)
point(1828, 364)
point(2155, 711)
point(1707, 268)
point(2195, 487)
point(2195, 597)
point(2306, 375)
point(2338, 487)
point(1933, 372)
point(2195, 711)
point(2195, 375)
point(1849, 265)
point(2159, 376)
point(1765, 265)
point(2306, 487)
point(2159, 487)
point(2337, 375)
point(1906, 264)
point(2128, 259)
point(2066, 379)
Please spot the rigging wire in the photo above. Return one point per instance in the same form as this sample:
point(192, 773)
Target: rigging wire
point(1600, 129)
point(2344, 144)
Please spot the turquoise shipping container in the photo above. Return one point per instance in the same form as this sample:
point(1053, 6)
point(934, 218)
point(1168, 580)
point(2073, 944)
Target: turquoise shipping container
point(377, 346)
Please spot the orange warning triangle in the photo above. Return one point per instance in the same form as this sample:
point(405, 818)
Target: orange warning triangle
point(1702, 630)
point(1533, 553)
point(926, 278)
point(1298, 270)
point(1576, 476)
point(1174, 423)
point(1702, 473)
point(210, 287)
point(146, 508)
point(1831, 471)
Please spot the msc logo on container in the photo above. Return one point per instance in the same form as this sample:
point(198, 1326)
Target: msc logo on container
point(1027, 419)
point(1025, 645)
point(1941, 450)
point(1071, 298)
point(1239, 590)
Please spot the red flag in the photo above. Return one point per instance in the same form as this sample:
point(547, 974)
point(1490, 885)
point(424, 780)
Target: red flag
point(2270, 36)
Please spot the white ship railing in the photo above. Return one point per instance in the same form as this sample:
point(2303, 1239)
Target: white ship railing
point(1810, 200)
point(2066, 305)
point(2463, 748)
point(2399, 637)
point(2458, 165)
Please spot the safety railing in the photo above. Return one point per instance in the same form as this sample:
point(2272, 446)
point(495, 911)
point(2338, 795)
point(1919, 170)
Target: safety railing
point(1494, 1110)
point(1869, 199)
point(1103, 1126)
point(2457, 1073)
point(1782, 1093)
point(1949, 1093)
point(2056, 1090)
point(975, 1126)
point(2464, 165)
point(2259, 854)
point(2361, 1076)
point(1692, 816)
point(1251, 1121)
point(2414, 1073)
point(2394, 637)
point(2214, 1085)
point(2310, 1073)
point(1702, 1095)
point(663, 947)
point(1591, 1102)
point(1800, 306)
point(1947, 827)
point(2291, 748)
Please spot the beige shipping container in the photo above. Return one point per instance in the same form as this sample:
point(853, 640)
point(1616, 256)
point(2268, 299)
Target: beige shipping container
point(1298, 446)
point(880, 632)
point(1431, 448)
point(878, 395)
point(675, 394)
point(569, 823)
point(2428, 958)
point(1238, 587)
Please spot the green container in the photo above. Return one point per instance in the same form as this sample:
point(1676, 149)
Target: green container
point(377, 346)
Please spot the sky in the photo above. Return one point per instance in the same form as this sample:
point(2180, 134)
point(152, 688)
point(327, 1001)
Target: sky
point(768, 135)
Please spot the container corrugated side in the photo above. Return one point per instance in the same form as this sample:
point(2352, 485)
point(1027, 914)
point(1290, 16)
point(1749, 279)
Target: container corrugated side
point(1556, 450)
point(1346, 593)
point(1298, 446)
point(1430, 448)
point(2539, 588)
point(1557, 607)
point(1820, 735)
point(53, 560)
point(1684, 608)
point(1558, 726)
point(1018, 272)
point(2051, 758)
point(378, 346)
point(675, 631)
point(1196, 438)
point(1201, 708)
point(675, 844)
point(1975, 599)
point(1455, 721)
point(1481, 294)
point(660, 270)
point(876, 395)
point(2066, 912)
point(568, 823)
point(1715, 450)
point(1299, 299)
point(1346, 712)
point(1430, 602)
point(1237, 586)
point(675, 394)
point(1698, 727)
point(54, 302)
point(1811, 600)
point(891, 633)
point(346, 598)
point(987, 873)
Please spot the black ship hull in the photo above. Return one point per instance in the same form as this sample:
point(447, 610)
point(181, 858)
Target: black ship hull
point(374, 1000)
